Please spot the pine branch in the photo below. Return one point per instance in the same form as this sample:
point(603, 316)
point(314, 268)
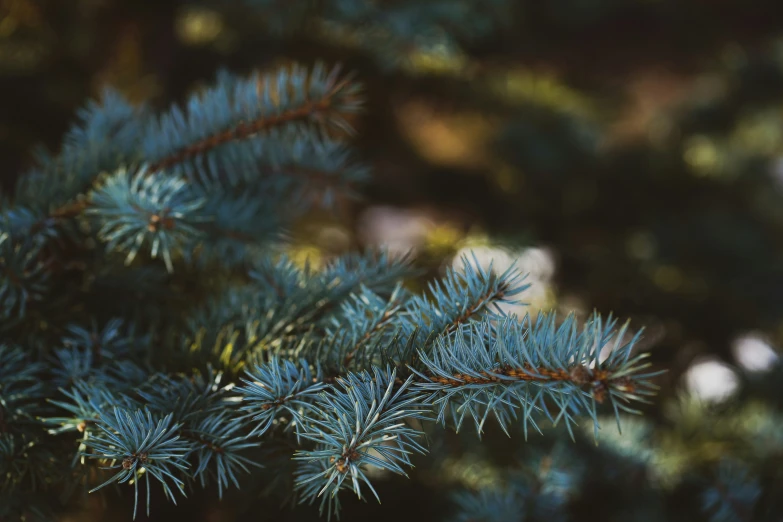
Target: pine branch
point(278, 111)
point(310, 301)
point(360, 423)
point(353, 334)
point(106, 135)
point(140, 448)
point(339, 365)
point(498, 367)
point(310, 111)
point(540, 491)
point(733, 496)
point(390, 32)
point(280, 104)
point(381, 318)
point(23, 277)
point(219, 442)
point(134, 208)
point(277, 388)
point(459, 298)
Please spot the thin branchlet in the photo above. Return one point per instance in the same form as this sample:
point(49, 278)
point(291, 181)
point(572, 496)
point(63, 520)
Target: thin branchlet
point(313, 98)
point(596, 381)
point(243, 130)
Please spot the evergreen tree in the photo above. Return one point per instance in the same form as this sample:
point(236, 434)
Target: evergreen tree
point(160, 343)
point(155, 338)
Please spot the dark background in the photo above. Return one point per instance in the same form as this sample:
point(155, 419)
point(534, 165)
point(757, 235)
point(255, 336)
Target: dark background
point(638, 143)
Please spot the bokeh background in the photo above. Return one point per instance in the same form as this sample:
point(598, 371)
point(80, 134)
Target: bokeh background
point(627, 154)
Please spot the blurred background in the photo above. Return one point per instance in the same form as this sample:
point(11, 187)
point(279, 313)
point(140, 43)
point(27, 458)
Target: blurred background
point(627, 154)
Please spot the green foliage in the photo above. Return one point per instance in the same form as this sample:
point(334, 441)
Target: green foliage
point(139, 448)
point(343, 362)
point(392, 32)
point(364, 423)
point(144, 266)
point(502, 367)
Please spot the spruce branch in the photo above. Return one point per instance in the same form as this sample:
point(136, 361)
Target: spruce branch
point(540, 491)
point(460, 297)
point(362, 321)
point(219, 441)
point(25, 463)
point(106, 135)
point(391, 32)
point(733, 495)
point(488, 505)
point(21, 389)
point(206, 412)
point(187, 397)
point(340, 363)
point(361, 422)
point(287, 98)
point(296, 303)
point(507, 367)
point(225, 134)
point(85, 403)
point(107, 343)
point(23, 277)
point(96, 355)
point(133, 208)
point(277, 388)
point(140, 447)
point(233, 235)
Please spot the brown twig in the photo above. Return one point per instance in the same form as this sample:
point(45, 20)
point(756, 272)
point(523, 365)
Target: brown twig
point(493, 294)
point(211, 446)
point(242, 131)
point(580, 375)
point(377, 327)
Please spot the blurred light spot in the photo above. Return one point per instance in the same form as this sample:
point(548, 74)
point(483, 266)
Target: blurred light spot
point(398, 230)
point(18, 13)
point(306, 255)
point(125, 70)
point(334, 238)
point(651, 95)
point(438, 59)
point(485, 256)
point(753, 353)
point(198, 26)
point(776, 171)
point(524, 87)
point(668, 278)
point(538, 264)
point(759, 133)
point(702, 155)
point(572, 303)
point(470, 471)
point(442, 238)
point(711, 380)
point(339, 34)
point(455, 140)
point(507, 179)
point(641, 245)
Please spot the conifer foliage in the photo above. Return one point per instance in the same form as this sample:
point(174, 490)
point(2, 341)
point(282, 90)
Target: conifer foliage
point(155, 336)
